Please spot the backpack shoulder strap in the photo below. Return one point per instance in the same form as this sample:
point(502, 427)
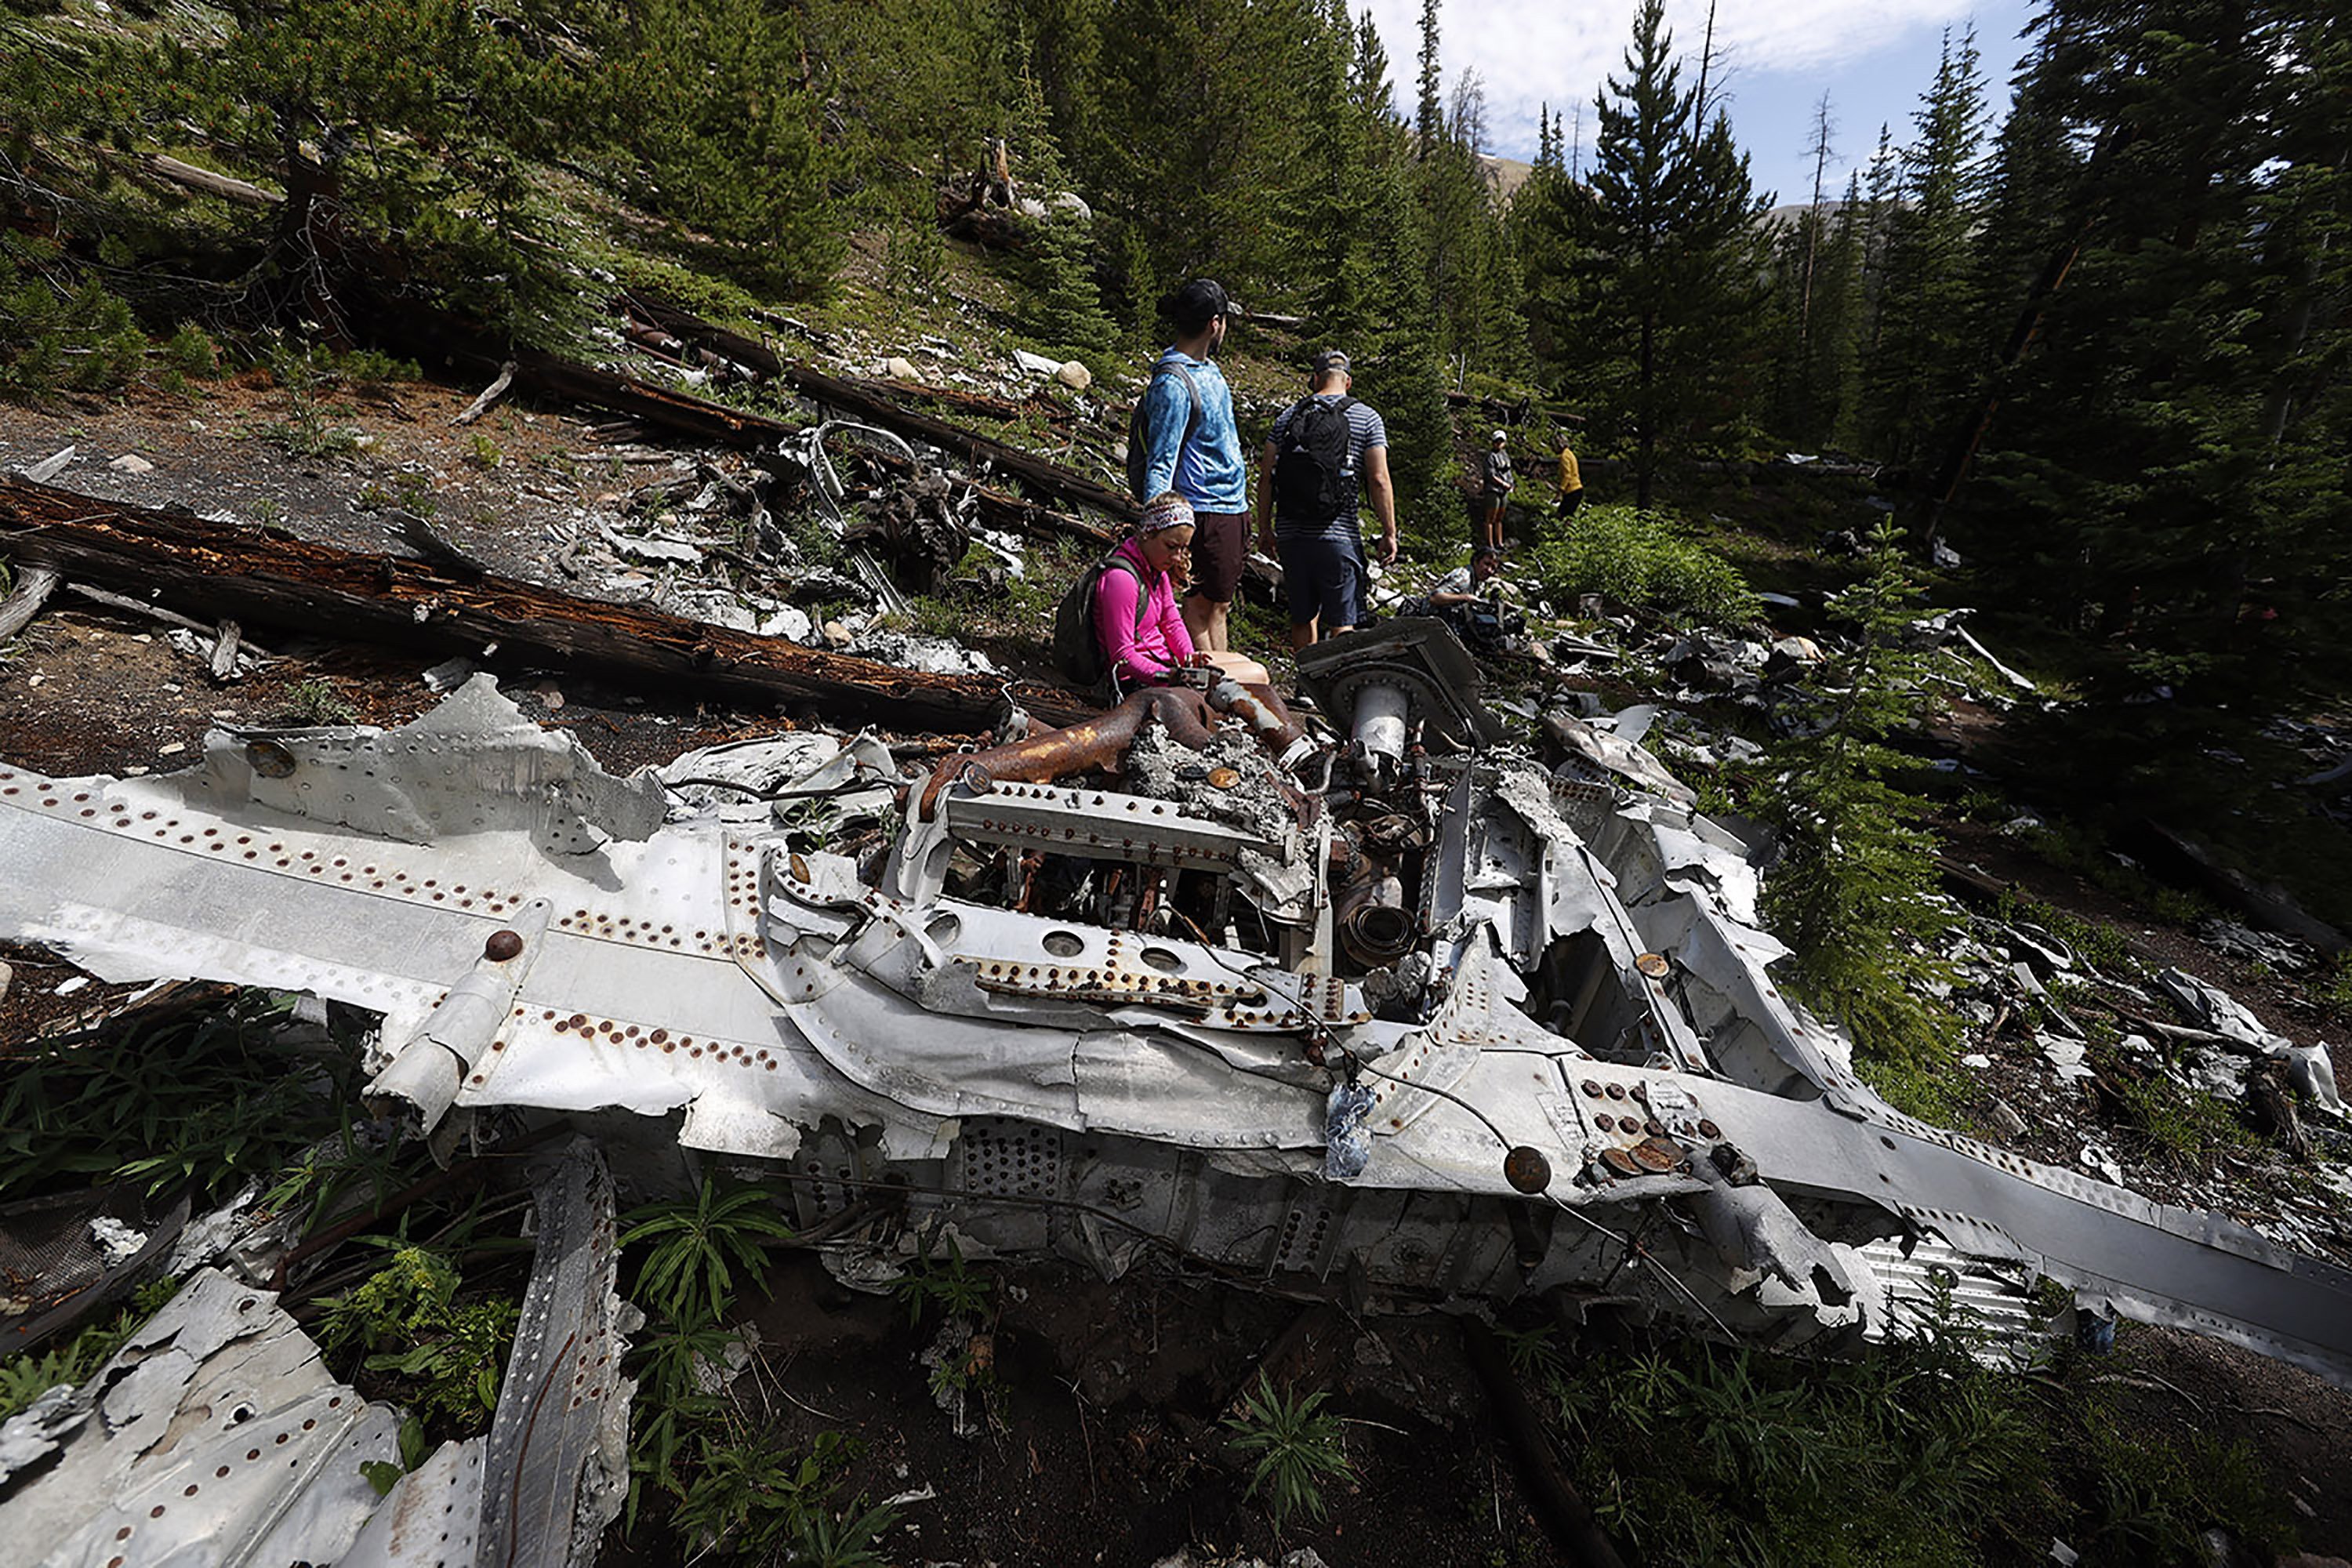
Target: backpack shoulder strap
point(1191, 388)
point(1142, 589)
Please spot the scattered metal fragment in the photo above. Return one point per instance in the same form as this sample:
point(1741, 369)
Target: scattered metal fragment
point(215, 1434)
point(556, 1470)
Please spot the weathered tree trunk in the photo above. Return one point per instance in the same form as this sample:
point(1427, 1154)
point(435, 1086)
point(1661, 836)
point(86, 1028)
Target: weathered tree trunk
point(221, 571)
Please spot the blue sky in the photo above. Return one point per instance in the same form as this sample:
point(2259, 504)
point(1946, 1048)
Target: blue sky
point(1776, 58)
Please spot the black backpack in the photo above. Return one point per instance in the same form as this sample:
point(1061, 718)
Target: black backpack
point(1078, 652)
point(1312, 482)
point(1138, 439)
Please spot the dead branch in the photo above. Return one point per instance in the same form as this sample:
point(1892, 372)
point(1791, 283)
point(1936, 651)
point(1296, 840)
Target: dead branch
point(224, 572)
point(34, 586)
point(223, 660)
point(190, 178)
point(490, 394)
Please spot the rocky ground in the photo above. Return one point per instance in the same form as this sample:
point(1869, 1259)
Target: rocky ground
point(1091, 1449)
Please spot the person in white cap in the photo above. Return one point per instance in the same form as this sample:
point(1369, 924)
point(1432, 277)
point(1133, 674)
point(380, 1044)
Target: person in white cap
point(1499, 483)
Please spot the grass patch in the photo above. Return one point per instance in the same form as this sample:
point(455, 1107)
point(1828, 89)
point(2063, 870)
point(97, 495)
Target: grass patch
point(211, 1097)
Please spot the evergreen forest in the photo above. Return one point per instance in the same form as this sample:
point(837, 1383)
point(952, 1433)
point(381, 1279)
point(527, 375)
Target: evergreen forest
point(2098, 344)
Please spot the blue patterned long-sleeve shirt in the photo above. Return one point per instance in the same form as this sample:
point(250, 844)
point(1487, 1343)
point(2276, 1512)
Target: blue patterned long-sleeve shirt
point(1206, 471)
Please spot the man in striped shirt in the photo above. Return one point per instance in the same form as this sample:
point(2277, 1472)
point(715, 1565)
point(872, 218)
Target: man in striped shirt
point(1326, 456)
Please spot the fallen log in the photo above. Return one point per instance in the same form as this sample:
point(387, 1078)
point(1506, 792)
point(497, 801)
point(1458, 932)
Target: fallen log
point(34, 587)
point(658, 408)
point(212, 182)
point(877, 408)
point(227, 572)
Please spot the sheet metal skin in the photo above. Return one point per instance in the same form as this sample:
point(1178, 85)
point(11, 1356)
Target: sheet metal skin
point(557, 1470)
point(213, 1436)
point(668, 981)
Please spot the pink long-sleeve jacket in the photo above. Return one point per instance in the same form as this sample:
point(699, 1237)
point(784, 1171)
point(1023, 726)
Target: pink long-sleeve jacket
point(1141, 651)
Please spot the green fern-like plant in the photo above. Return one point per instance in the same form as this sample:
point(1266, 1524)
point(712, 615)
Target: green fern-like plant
point(689, 1273)
point(950, 1286)
point(1296, 1446)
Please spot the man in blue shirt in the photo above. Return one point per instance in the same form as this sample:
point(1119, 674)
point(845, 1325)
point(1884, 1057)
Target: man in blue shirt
point(1199, 456)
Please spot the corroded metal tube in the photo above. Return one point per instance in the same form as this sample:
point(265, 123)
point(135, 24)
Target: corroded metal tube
point(1101, 742)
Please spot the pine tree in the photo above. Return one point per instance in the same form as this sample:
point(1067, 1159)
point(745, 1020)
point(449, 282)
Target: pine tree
point(734, 152)
point(1669, 269)
point(2166, 467)
point(1930, 347)
point(1852, 893)
point(1429, 116)
point(1062, 304)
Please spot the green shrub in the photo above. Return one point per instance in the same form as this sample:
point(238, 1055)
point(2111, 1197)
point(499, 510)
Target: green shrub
point(1853, 894)
point(58, 333)
point(1639, 557)
point(447, 1353)
point(213, 1096)
point(192, 352)
point(1295, 1448)
point(688, 1275)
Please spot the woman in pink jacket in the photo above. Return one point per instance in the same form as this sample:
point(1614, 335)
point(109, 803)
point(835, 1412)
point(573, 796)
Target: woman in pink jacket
point(1142, 633)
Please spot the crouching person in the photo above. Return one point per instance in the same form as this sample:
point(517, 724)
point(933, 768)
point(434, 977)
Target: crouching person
point(1138, 625)
point(1470, 601)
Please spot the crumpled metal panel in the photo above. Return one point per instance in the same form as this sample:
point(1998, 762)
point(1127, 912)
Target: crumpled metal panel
point(474, 763)
point(556, 1470)
point(430, 1517)
point(1107, 824)
point(213, 1436)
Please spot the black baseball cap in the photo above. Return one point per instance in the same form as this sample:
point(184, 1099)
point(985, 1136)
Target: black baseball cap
point(1198, 302)
point(1332, 360)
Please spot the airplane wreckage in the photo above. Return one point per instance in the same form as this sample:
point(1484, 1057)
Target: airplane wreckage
point(1395, 1014)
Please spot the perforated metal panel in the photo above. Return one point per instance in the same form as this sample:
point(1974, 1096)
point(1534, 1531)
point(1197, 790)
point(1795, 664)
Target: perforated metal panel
point(825, 1175)
point(1010, 1158)
point(1305, 1238)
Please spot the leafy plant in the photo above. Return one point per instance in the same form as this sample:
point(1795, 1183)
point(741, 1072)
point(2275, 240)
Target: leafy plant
point(1639, 557)
point(687, 1274)
point(483, 453)
point(951, 1286)
point(212, 1096)
point(315, 702)
point(305, 376)
point(407, 1317)
point(1297, 1447)
point(749, 1498)
point(25, 1377)
point(416, 1448)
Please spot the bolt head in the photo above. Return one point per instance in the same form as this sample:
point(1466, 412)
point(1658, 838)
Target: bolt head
point(502, 945)
point(1526, 1170)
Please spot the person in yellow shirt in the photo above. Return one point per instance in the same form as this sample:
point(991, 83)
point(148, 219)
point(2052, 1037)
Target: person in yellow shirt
point(1572, 483)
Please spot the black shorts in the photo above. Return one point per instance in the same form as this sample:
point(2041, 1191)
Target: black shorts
point(1321, 579)
point(1220, 547)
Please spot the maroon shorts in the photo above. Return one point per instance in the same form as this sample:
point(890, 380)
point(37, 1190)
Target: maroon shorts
point(1220, 547)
